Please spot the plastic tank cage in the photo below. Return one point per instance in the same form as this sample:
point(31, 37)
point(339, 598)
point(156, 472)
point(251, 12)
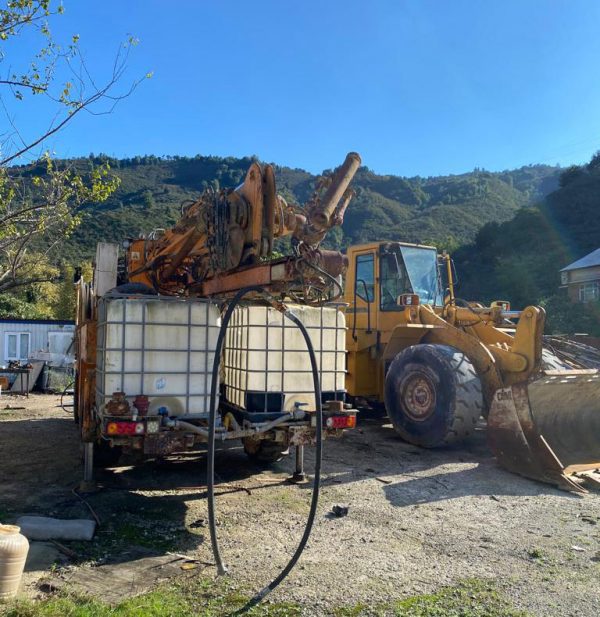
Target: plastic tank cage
point(162, 347)
point(266, 366)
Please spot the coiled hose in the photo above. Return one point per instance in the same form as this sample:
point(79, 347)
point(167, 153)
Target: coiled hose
point(221, 569)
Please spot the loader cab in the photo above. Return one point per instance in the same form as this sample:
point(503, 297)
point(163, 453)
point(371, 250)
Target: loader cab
point(384, 279)
point(383, 276)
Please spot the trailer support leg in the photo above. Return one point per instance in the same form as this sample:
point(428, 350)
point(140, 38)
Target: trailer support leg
point(299, 476)
point(88, 467)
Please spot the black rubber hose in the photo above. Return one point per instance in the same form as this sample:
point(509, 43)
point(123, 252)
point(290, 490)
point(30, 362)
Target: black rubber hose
point(62, 397)
point(211, 449)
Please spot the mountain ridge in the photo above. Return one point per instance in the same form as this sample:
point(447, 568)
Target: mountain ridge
point(447, 210)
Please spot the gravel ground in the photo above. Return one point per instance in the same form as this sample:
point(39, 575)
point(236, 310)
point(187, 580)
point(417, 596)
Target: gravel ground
point(418, 519)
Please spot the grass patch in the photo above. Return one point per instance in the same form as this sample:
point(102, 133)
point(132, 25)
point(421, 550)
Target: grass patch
point(471, 598)
point(115, 537)
point(351, 611)
point(142, 535)
point(536, 553)
point(288, 499)
point(200, 597)
point(204, 597)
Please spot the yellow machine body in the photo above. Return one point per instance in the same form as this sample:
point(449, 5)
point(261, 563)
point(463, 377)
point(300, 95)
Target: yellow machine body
point(401, 296)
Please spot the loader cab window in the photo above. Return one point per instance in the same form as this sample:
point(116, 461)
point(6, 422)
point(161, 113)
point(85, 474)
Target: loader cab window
point(394, 281)
point(365, 277)
point(422, 266)
point(408, 270)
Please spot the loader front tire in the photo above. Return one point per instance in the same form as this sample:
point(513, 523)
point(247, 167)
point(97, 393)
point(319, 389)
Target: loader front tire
point(433, 395)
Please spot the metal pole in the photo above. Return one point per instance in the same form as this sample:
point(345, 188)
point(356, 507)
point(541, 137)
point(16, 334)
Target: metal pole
point(88, 466)
point(340, 181)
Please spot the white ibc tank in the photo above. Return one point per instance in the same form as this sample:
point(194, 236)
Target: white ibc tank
point(158, 346)
point(265, 352)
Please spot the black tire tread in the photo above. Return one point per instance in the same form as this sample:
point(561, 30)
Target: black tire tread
point(469, 399)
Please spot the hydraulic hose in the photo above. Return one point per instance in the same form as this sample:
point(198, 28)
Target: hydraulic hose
point(221, 569)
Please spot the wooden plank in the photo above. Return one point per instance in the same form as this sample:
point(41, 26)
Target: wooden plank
point(113, 583)
point(105, 270)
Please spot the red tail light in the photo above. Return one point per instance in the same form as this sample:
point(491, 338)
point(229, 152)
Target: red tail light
point(345, 421)
point(125, 428)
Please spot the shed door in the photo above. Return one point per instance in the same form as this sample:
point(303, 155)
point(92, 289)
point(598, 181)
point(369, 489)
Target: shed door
point(59, 342)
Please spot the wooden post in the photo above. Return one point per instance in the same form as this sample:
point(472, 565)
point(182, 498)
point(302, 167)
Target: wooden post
point(105, 270)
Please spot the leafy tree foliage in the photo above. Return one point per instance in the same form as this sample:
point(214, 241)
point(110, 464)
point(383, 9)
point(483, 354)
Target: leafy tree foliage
point(444, 211)
point(40, 199)
point(37, 216)
point(519, 260)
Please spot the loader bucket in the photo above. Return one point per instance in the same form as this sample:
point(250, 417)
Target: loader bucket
point(549, 429)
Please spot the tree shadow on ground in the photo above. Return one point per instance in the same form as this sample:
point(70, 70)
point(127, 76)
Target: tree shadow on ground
point(147, 504)
point(142, 509)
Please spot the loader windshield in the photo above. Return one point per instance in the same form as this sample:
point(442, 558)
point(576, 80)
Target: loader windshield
point(421, 264)
point(407, 270)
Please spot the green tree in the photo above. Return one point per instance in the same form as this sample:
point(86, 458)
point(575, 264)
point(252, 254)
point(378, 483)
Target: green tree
point(64, 297)
point(39, 202)
point(66, 300)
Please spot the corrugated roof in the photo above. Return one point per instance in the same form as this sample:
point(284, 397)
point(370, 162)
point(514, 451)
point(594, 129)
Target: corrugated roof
point(592, 259)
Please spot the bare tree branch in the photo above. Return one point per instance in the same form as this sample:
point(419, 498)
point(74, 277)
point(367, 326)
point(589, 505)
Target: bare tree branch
point(22, 84)
point(40, 207)
point(26, 20)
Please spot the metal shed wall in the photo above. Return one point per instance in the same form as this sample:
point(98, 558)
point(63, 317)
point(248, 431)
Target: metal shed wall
point(38, 334)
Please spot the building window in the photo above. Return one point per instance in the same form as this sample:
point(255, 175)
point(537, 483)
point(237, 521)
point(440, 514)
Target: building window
point(16, 346)
point(589, 292)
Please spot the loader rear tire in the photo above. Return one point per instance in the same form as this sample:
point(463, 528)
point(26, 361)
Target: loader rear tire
point(263, 450)
point(433, 395)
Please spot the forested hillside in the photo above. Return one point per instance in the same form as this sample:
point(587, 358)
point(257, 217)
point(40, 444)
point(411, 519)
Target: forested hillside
point(448, 210)
point(520, 259)
point(510, 231)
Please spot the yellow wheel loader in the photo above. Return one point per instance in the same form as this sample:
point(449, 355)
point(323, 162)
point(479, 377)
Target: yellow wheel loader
point(439, 363)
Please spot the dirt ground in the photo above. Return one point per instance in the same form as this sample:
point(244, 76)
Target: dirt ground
point(417, 519)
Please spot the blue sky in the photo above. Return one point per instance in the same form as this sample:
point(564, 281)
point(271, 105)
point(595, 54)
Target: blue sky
point(427, 88)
